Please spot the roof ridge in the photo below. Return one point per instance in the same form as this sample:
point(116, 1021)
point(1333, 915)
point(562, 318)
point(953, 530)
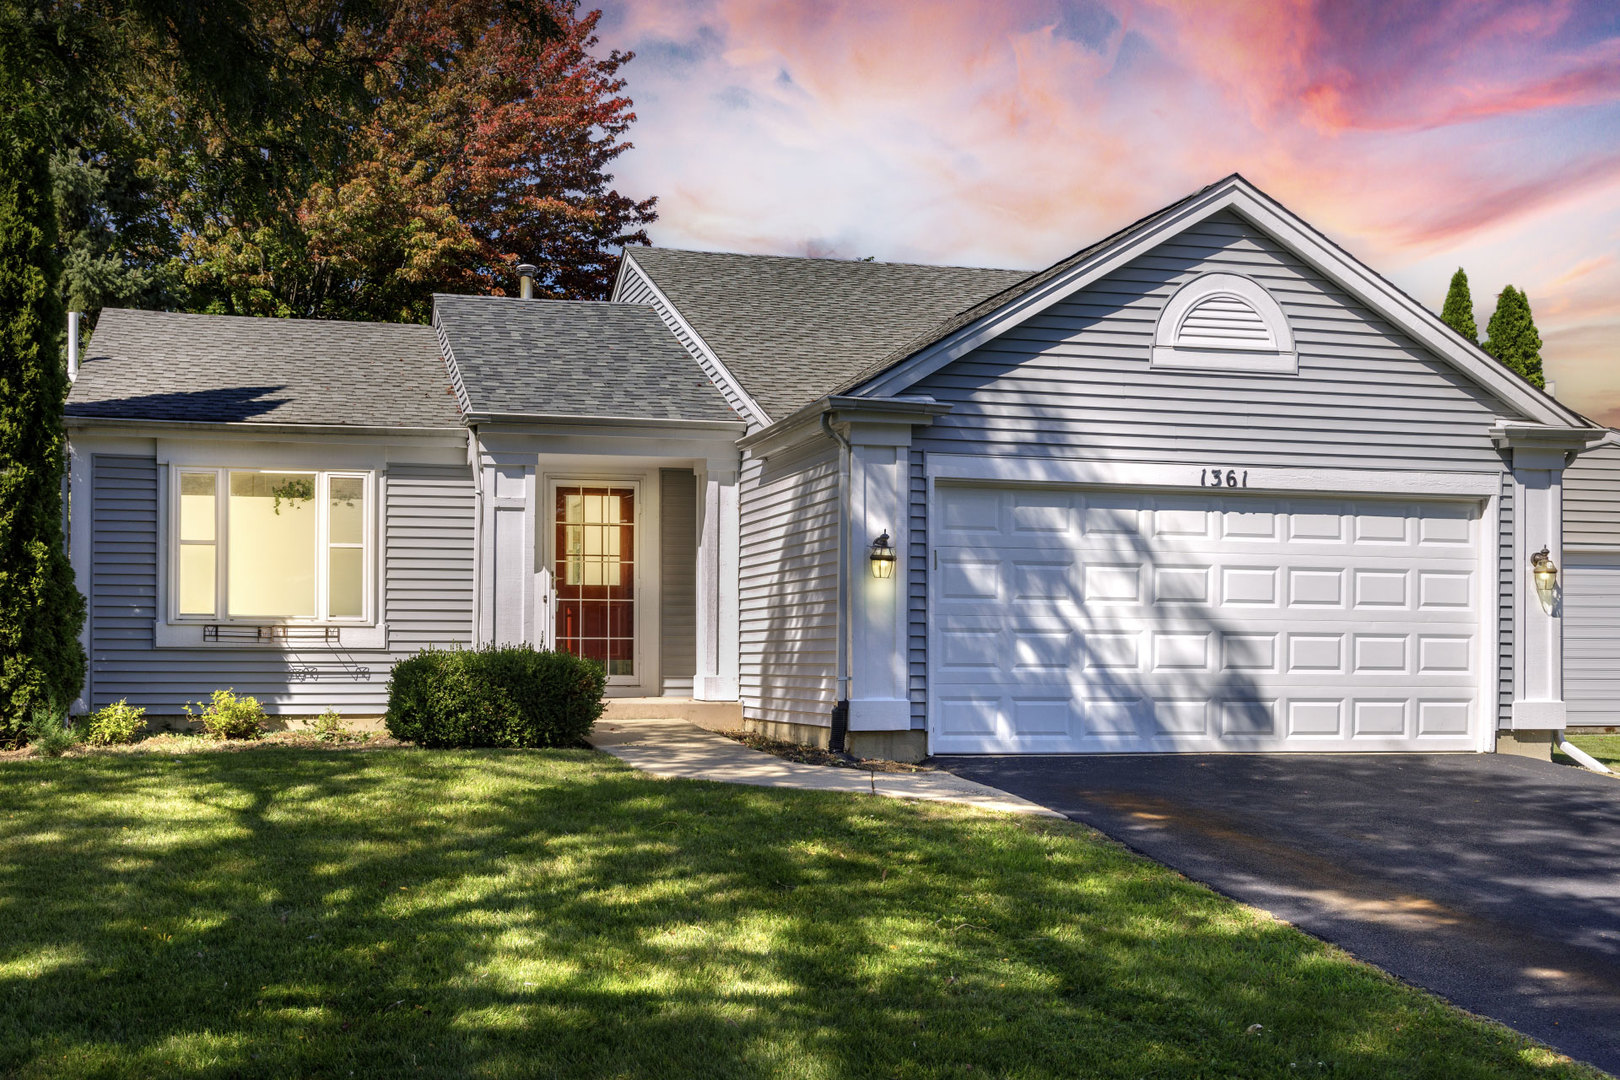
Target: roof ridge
point(266, 319)
point(632, 252)
point(558, 300)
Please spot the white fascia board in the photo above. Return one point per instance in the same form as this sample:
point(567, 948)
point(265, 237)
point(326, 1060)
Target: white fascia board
point(551, 423)
point(756, 415)
point(607, 440)
point(264, 431)
point(804, 423)
point(618, 278)
point(1238, 195)
point(1610, 437)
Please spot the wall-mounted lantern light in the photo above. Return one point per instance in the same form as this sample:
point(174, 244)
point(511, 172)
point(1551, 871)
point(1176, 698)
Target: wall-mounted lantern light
point(1546, 575)
point(882, 557)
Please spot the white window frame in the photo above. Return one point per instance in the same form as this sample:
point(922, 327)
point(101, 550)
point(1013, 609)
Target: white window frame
point(1276, 358)
point(323, 478)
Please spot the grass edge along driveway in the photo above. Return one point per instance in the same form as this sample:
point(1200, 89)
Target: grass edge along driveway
point(509, 913)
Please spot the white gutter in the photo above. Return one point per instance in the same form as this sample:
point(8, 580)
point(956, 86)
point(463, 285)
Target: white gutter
point(1582, 758)
point(73, 347)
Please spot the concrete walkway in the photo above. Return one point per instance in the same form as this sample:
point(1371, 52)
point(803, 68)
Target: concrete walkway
point(677, 749)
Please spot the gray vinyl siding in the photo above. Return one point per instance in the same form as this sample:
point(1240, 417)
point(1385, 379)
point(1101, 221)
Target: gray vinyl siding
point(1504, 607)
point(1591, 494)
point(426, 592)
point(677, 619)
point(788, 586)
point(635, 288)
point(1592, 637)
point(1074, 382)
point(1592, 499)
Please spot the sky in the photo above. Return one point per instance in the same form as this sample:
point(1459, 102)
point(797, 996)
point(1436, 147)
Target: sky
point(1421, 136)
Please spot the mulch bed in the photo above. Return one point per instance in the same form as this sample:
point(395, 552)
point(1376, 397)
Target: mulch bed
point(815, 755)
point(173, 742)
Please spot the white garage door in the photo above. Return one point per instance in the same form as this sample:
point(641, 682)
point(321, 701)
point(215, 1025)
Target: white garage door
point(1078, 621)
point(1592, 637)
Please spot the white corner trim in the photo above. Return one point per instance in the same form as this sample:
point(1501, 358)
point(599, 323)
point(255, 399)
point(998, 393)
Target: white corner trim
point(1237, 194)
point(1194, 476)
point(671, 313)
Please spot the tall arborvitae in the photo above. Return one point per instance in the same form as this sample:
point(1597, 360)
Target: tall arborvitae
point(41, 662)
point(1511, 336)
point(1459, 310)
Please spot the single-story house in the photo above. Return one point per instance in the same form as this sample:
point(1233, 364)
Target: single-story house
point(1209, 484)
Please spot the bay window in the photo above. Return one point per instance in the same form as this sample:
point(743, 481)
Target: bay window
point(263, 545)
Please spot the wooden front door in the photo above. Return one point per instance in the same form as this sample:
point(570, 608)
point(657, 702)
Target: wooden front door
point(595, 575)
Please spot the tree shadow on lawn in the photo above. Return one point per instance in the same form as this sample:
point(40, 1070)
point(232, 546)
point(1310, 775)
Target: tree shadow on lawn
point(554, 913)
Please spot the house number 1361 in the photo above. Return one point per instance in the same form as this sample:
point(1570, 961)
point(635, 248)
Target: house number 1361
point(1216, 478)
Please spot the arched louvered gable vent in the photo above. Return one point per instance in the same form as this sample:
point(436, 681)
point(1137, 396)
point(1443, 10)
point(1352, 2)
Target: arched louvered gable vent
point(1224, 322)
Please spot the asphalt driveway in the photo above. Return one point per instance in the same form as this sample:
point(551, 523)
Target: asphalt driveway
point(1491, 880)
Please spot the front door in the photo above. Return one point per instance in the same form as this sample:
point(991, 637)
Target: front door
point(594, 574)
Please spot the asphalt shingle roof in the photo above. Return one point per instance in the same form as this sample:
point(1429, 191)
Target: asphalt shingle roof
point(987, 305)
point(794, 329)
point(573, 358)
point(159, 365)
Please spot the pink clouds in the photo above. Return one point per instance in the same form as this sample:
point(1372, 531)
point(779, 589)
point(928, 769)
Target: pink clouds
point(1422, 136)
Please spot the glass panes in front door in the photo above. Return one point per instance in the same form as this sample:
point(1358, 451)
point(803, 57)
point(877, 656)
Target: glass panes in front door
point(595, 574)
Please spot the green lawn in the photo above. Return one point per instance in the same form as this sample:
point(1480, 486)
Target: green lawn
point(1606, 748)
point(308, 913)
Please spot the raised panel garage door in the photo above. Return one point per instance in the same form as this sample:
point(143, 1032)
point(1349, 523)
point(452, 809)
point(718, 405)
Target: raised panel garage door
point(1080, 621)
point(1592, 637)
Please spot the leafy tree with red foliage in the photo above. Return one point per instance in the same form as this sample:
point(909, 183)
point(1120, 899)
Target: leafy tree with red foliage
point(423, 146)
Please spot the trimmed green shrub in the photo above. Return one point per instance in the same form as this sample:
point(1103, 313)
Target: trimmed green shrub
point(507, 696)
point(118, 723)
point(230, 717)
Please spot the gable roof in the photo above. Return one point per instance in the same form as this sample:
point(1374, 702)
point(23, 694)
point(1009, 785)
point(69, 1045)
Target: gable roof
point(927, 353)
point(990, 304)
point(585, 358)
point(789, 328)
point(160, 365)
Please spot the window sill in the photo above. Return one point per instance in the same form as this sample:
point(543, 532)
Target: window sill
point(292, 638)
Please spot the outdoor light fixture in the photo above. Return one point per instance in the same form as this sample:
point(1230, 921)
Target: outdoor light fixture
point(1546, 574)
point(882, 557)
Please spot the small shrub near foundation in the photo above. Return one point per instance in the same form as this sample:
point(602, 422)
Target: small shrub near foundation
point(508, 696)
point(230, 717)
point(49, 733)
point(116, 724)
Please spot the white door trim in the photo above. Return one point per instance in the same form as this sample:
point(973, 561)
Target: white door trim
point(647, 602)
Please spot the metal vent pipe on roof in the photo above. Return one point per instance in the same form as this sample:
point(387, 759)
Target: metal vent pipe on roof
point(526, 272)
point(73, 346)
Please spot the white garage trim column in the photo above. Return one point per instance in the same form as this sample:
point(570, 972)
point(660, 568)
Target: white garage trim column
point(879, 437)
point(1539, 456)
point(716, 677)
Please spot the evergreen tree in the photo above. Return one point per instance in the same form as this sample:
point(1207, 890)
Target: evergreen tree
point(1459, 310)
point(1511, 336)
point(41, 662)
